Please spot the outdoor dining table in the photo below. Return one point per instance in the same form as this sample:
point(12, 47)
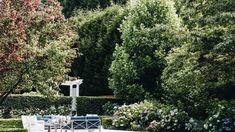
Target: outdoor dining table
point(54, 125)
point(55, 122)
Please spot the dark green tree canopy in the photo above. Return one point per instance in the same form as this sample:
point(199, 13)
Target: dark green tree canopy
point(204, 68)
point(149, 31)
point(70, 5)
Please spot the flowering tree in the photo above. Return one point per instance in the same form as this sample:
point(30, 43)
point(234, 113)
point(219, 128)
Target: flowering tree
point(34, 45)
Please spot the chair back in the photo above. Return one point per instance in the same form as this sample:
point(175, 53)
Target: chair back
point(79, 122)
point(25, 121)
point(31, 124)
point(39, 117)
point(93, 121)
point(47, 119)
point(82, 122)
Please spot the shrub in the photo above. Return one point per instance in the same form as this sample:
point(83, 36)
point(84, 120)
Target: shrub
point(107, 122)
point(11, 123)
point(61, 110)
point(14, 106)
point(42, 102)
point(13, 130)
point(109, 108)
point(221, 116)
point(203, 69)
point(151, 116)
point(88, 105)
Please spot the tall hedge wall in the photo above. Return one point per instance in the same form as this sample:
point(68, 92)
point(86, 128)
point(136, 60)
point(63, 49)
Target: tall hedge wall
point(86, 105)
point(98, 33)
point(37, 104)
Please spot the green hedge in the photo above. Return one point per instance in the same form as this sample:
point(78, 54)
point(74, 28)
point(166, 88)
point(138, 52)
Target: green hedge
point(93, 105)
point(98, 34)
point(13, 130)
point(107, 122)
point(14, 106)
point(42, 102)
point(11, 123)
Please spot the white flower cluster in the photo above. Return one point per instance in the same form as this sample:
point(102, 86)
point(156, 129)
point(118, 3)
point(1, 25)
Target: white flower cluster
point(170, 120)
point(214, 122)
point(15, 113)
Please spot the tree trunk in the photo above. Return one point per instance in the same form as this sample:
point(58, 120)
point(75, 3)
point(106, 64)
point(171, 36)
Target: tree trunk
point(5, 94)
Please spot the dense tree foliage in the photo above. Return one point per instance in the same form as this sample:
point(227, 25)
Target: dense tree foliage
point(98, 34)
point(34, 45)
point(204, 68)
point(70, 5)
point(149, 31)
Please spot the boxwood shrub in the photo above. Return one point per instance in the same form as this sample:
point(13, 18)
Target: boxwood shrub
point(11, 123)
point(107, 122)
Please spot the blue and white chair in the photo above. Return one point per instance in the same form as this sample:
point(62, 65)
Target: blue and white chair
point(78, 122)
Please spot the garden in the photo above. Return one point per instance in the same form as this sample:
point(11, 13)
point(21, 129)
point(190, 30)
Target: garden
point(146, 65)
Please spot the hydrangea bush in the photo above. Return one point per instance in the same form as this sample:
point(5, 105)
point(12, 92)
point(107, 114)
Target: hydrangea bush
point(151, 116)
point(109, 108)
point(222, 117)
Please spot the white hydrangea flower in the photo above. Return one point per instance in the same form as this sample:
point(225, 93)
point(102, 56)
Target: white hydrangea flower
point(216, 115)
point(175, 110)
point(188, 126)
point(191, 120)
point(205, 126)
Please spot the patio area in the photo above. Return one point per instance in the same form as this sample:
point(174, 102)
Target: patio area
point(51, 123)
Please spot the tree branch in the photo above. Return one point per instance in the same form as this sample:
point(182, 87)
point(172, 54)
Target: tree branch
point(5, 94)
